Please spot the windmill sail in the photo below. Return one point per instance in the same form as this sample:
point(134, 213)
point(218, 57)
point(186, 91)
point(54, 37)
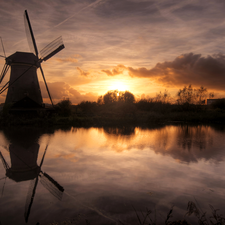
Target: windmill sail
point(4, 71)
point(3, 49)
point(3, 186)
point(52, 186)
point(5, 164)
point(30, 34)
point(52, 48)
point(32, 191)
point(30, 198)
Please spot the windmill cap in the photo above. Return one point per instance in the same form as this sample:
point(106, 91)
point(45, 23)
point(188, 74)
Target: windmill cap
point(23, 58)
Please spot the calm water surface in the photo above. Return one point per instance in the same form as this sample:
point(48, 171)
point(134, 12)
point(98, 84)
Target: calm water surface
point(102, 174)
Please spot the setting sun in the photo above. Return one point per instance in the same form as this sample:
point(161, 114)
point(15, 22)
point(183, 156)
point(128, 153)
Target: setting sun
point(118, 85)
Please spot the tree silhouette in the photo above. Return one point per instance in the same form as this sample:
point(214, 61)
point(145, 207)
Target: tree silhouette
point(193, 96)
point(116, 96)
point(110, 96)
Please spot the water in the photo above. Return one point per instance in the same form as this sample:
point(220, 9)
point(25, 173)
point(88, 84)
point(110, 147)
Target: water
point(102, 175)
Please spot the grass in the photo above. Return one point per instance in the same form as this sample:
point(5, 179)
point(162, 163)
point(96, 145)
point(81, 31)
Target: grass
point(144, 218)
point(116, 113)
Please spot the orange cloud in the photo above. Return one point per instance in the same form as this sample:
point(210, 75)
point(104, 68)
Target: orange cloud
point(73, 60)
point(115, 71)
point(62, 90)
point(82, 73)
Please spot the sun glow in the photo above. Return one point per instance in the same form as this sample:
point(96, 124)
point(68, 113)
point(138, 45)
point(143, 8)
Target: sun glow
point(118, 85)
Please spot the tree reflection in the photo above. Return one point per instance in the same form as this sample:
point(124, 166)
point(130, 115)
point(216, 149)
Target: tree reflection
point(193, 136)
point(191, 143)
point(185, 143)
point(120, 131)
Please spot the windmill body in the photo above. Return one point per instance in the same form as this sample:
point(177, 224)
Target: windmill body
point(23, 91)
point(23, 86)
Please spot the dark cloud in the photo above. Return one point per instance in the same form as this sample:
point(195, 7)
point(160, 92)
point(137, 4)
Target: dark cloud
point(185, 69)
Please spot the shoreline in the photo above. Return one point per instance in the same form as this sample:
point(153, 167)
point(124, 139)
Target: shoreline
point(139, 118)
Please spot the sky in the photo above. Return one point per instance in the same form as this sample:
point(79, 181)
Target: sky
point(143, 46)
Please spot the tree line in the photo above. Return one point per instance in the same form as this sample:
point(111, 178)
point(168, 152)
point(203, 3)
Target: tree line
point(186, 99)
point(187, 95)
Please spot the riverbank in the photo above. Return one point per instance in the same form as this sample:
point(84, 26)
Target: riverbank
point(112, 118)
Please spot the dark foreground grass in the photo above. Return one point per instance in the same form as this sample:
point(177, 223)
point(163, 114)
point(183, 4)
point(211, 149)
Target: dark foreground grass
point(116, 113)
point(105, 118)
point(147, 218)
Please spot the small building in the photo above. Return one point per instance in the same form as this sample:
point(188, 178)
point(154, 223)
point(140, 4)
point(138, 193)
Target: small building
point(210, 101)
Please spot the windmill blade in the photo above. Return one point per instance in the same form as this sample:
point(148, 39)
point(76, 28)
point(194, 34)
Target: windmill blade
point(51, 185)
point(5, 147)
point(5, 164)
point(2, 178)
point(45, 85)
point(30, 34)
point(30, 198)
point(42, 160)
point(3, 49)
point(6, 86)
point(52, 48)
point(4, 71)
point(3, 185)
point(32, 191)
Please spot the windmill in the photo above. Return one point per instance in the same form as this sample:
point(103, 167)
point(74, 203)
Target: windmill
point(23, 86)
point(24, 169)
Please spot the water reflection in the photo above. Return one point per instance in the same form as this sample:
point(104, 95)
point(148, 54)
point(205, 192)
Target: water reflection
point(23, 150)
point(194, 136)
point(106, 171)
point(185, 143)
point(120, 131)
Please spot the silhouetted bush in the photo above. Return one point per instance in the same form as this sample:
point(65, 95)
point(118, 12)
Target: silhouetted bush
point(64, 108)
point(88, 107)
point(153, 105)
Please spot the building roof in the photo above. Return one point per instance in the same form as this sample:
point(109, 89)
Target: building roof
point(23, 58)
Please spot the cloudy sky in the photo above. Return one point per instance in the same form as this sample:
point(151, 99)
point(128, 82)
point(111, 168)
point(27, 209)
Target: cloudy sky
point(144, 46)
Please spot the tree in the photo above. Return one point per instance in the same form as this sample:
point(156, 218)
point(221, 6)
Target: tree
point(64, 107)
point(110, 96)
point(100, 100)
point(126, 96)
point(186, 95)
point(201, 95)
point(193, 96)
point(116, 96)
point(163, 97)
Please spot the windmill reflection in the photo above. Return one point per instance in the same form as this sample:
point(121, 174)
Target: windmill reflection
point(23, 155)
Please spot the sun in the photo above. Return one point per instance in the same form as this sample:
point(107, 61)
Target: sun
point(118, 85)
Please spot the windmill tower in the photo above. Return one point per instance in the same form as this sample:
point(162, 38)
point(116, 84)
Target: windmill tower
point(23, 86)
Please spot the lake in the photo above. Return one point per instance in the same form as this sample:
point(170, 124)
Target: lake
point(110, 175)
